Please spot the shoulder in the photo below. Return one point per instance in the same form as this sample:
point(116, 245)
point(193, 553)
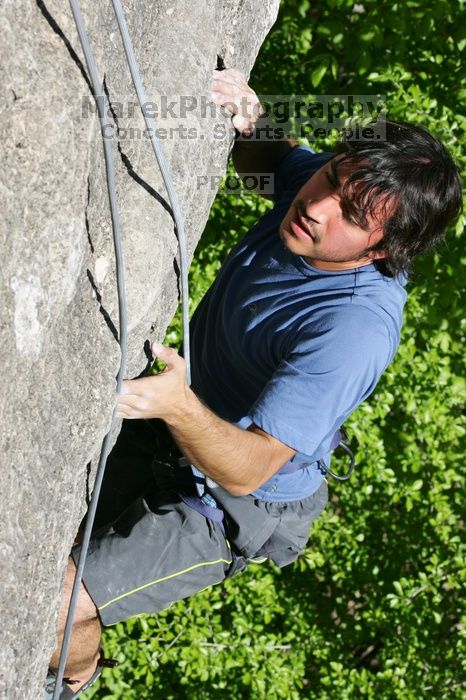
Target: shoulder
point(347, 335)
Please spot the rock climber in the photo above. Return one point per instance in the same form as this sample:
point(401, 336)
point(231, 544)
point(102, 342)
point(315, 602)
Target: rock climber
point(302, 320)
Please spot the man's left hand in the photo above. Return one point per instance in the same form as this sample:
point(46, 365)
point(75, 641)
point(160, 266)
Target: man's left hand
point(230, 89)
point(158, 396)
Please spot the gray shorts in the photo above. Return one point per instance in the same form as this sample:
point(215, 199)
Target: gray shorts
point(161, 550)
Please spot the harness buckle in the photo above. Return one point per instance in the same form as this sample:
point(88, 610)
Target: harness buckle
point(344, 444)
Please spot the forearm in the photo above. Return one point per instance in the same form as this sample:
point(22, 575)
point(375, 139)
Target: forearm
point(236, 459)
point(262, 151)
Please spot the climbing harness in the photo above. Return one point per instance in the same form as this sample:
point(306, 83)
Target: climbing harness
point(340, 440)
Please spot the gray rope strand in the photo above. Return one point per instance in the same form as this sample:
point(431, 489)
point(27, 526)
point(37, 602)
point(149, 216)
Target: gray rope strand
point(123, 340)
point(172, 196)
point(101, 106)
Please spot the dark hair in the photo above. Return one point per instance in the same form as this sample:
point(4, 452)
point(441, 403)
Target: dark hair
point(406, 179)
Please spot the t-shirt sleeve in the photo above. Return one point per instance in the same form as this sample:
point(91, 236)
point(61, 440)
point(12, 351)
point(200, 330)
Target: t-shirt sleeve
point(331, 368)
point(295, 168)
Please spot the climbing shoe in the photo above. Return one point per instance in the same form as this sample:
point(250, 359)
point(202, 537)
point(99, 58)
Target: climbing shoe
point(66, 692)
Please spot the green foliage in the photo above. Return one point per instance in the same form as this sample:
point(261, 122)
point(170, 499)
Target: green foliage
point(375, 607)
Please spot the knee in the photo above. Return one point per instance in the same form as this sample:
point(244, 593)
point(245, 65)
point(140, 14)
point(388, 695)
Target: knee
point(86, 609)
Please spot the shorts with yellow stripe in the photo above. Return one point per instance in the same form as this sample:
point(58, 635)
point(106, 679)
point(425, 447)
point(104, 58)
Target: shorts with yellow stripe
point(159, 551)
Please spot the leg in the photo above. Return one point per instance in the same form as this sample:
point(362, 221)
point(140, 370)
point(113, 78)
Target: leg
point(128, 474)
point(84, 649)
point(158, 552)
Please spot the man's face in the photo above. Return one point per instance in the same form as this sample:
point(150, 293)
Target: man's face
point(314, 226)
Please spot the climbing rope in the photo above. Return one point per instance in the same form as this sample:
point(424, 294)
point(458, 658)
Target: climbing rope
point(100, 97)
point(199, 478)
point(101, 100)
point(172, 196)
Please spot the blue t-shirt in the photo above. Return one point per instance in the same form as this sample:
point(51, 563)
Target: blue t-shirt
point(289, 347)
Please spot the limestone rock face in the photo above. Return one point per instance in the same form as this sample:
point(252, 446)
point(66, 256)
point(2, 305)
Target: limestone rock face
point(59, 313)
